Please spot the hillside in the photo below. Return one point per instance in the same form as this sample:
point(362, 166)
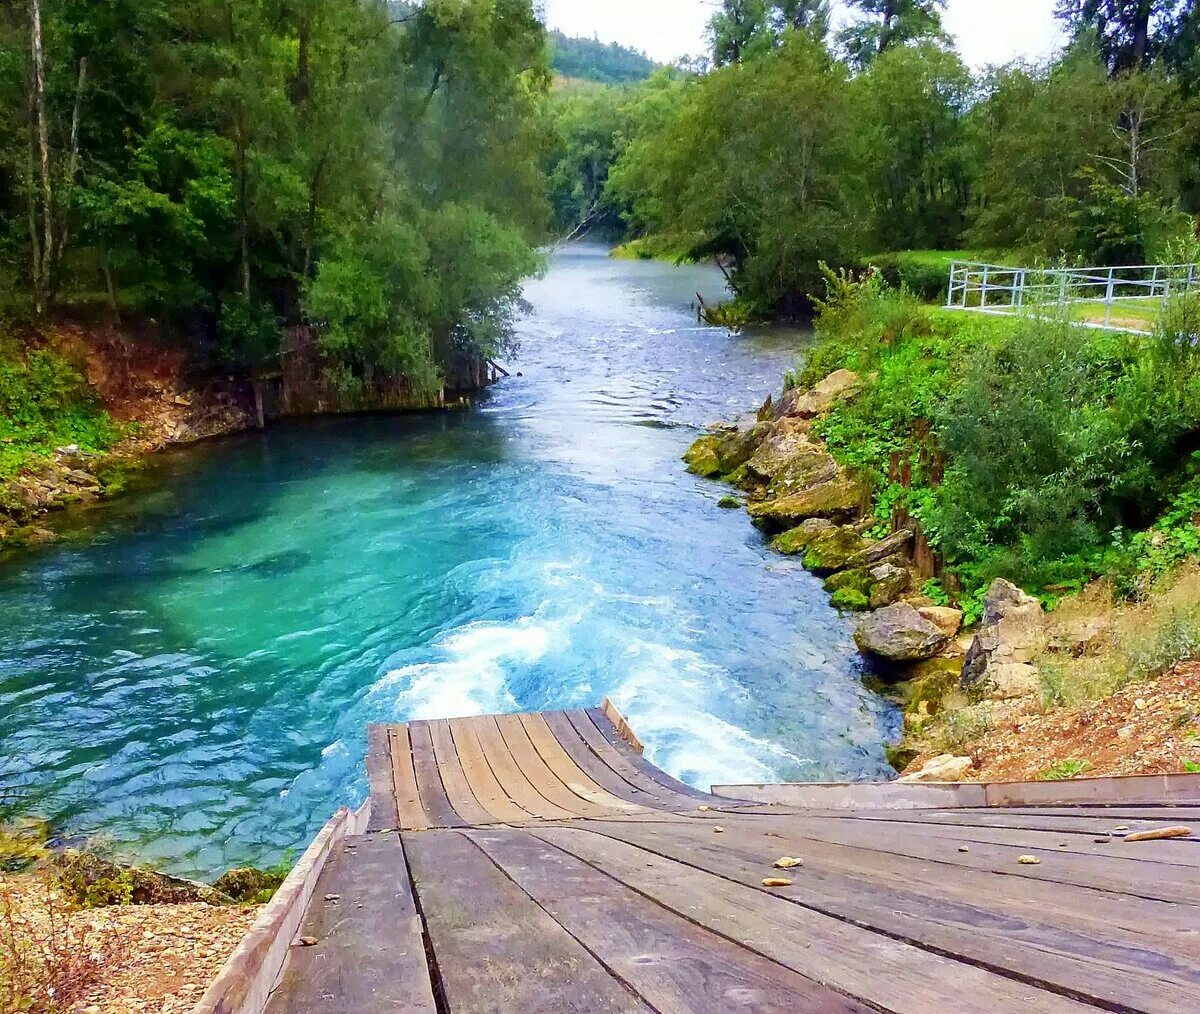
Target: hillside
point(601, 62)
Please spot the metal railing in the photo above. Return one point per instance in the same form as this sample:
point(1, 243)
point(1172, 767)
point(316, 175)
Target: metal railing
point(999, 288)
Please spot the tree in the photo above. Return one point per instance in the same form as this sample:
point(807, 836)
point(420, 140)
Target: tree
point(888, 23)
point(1130, 33)
point(734, 27)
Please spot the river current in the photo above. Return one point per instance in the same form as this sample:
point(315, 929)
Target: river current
point(192, 673)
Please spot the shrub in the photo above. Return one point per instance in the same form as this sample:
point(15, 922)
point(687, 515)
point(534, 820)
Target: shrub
point(45, 403)
point(1066, 770)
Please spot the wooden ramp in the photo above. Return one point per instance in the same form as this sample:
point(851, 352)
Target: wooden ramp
point(538, 862)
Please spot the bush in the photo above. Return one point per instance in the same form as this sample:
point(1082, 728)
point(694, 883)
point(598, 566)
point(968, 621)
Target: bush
point(923, 273)
point(45, 403)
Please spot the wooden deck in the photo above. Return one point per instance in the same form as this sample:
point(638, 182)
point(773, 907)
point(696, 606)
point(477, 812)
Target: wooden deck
point(539, 863)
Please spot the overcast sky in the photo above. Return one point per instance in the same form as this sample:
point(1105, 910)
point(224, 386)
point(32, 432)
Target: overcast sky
point(986, 31)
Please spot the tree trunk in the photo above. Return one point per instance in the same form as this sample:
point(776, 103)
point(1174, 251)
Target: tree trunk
point(42, 263)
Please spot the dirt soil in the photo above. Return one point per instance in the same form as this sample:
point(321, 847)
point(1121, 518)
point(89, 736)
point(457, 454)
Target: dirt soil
point(1147, 728)
point(163, 956)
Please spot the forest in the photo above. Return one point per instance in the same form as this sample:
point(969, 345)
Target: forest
point(224, 168)
point(805, 143)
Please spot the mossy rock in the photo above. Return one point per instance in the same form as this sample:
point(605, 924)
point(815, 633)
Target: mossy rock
point(838, 497)
point(729, 503)
point(702, 457)
point(94, 882)
point(796, 540)
point(899, 756)
point(849, 600)
point(833, 548)
point(248, 884)
point(857, 578)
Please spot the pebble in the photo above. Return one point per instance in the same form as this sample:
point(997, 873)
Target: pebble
point(718, 830)
point(1029, 860)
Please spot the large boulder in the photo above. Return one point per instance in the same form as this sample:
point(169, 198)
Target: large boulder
point(944, 768)
point(838, 386)
point(889, 582)
point(1000, 661)
point(788, 459)
point(722, 453)
point(839, 497)
point(946, 619)
point(895, 544)
point(899, 633)
point(829, 550)
point(796, 540)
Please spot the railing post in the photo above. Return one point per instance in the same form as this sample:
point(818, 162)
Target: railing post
point(1062, 288)
point(983, 287)
point(950, 291)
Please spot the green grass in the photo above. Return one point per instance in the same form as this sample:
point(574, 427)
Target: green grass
point(652, 248)
point(45, 403)
point(925, 273)
point(1066, 770)
point(1137, 314)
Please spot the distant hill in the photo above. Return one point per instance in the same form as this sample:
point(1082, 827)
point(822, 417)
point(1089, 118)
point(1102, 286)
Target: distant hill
point(593, 60)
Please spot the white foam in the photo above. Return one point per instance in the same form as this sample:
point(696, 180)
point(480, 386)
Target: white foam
point(668, 696)
point(471, 677)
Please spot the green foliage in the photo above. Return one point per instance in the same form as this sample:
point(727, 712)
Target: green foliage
point(890, 24)
point(924, 273)
point(45, 403)
point(593, 60)
point(1192, 767)
point(206, 159)
point(1064, 771)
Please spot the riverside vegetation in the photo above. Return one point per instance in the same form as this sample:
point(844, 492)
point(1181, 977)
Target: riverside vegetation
point(942, 469)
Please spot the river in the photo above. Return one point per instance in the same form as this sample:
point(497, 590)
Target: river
point(192, 674)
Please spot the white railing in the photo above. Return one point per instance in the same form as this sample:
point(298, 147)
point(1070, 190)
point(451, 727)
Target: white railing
point(999, 288)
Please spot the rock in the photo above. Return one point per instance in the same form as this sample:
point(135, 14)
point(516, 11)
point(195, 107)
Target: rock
point(888, 584)
point(877, 552)
point(858, 580)
point(1000, 659)
point(788, 460)
point(796, 540)
point(245, 883)
point(850, 600)
point(899, 633)
point(944, 768)
point(838, 386)
point(838, 497)
point(722, 453)
point(1080, 636)
point(946, 619)
point(702, 457)
point(95, 883)
point(829, 549)
point(729, 503)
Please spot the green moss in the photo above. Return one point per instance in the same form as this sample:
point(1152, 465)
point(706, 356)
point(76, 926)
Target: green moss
point(856, 578)
point(729, 503)
point(850, 600)
point(702, 458)
point(898, 755)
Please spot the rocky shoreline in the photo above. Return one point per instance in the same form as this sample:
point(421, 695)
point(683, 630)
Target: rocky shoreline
point(814, 508)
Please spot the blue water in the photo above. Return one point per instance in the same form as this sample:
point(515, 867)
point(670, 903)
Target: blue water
point(191, 675)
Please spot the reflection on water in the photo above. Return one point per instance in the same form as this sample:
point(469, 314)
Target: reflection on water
point(195, 677)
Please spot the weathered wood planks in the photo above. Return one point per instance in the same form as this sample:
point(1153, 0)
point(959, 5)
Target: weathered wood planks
point(542, 863)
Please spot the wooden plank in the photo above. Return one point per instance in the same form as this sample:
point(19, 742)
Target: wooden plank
point(1001, 817)
point(480, 777)
point(610, 733)
point(434, 800)
point(379, 779)
point(496, 949)
point(891, 974)
point(539, 774)
point(404, 780)
point(454, 779)
point(568, 772)
point(1178, 852)
point(672, 964)
point(566, 735)
point(1128, 788)
point(858, 796)
point(614, 715)
point(978, 920)
point(1122, 876)
point(508, 772)
point(369, 954)
point(623, 763)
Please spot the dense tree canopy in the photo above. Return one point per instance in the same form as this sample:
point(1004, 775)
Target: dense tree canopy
point(798, 147)
point(601, 62)
point(229, 166)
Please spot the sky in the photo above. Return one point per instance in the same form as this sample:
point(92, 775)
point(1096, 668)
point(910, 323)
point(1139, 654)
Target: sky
point(986, 31)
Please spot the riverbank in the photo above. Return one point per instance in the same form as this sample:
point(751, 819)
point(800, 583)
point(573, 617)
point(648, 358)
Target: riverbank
point(916, 464)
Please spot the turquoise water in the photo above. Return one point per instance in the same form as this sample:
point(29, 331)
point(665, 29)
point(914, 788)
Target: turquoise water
point(193, 678)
